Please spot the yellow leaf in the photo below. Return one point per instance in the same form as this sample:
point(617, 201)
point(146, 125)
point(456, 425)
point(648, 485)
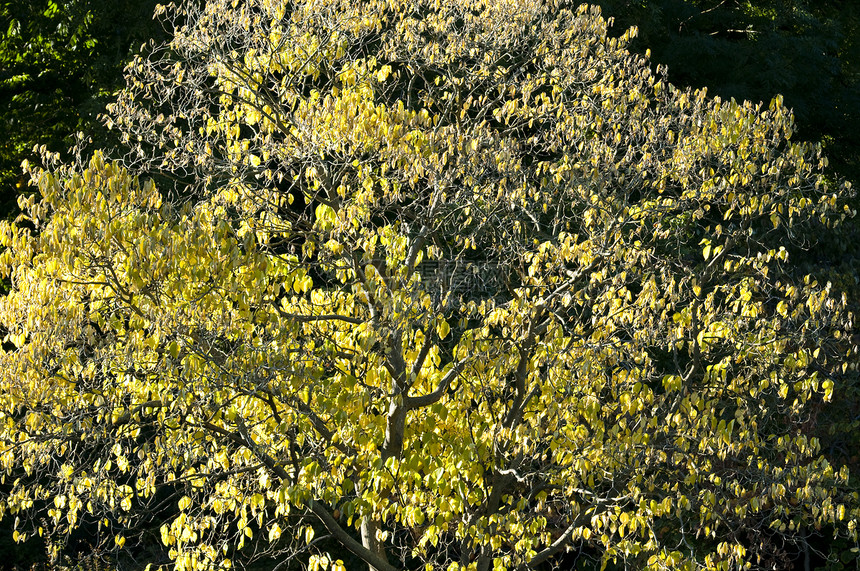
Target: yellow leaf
point(442, 328)
point(274, 533)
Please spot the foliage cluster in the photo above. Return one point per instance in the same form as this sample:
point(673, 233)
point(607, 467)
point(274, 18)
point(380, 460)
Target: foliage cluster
point(60, 64)
point(751, 50)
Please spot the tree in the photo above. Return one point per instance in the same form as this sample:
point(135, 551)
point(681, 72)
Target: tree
point(452, 285)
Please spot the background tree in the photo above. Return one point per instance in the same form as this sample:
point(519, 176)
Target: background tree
point(451, 284)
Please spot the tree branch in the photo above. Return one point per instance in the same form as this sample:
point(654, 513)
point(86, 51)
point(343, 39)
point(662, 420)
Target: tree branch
point(347, 540)
point(431, 398)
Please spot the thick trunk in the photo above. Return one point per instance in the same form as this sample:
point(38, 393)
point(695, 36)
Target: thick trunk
point(369, 529)
point(391, 448)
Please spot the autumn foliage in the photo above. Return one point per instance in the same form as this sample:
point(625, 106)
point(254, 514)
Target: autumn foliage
point(456, 285)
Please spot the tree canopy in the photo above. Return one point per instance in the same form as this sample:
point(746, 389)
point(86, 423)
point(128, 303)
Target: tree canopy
point(452, 285)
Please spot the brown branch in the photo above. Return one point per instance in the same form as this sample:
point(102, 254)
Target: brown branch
point(553, 548)
point(324, 317)
point(431, 398)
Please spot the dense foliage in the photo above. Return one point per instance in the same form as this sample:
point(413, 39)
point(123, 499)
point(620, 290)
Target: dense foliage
point(454, 285)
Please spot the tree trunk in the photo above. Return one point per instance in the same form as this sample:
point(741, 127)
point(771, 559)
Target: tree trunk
point(369, 528)
point(391, 448)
